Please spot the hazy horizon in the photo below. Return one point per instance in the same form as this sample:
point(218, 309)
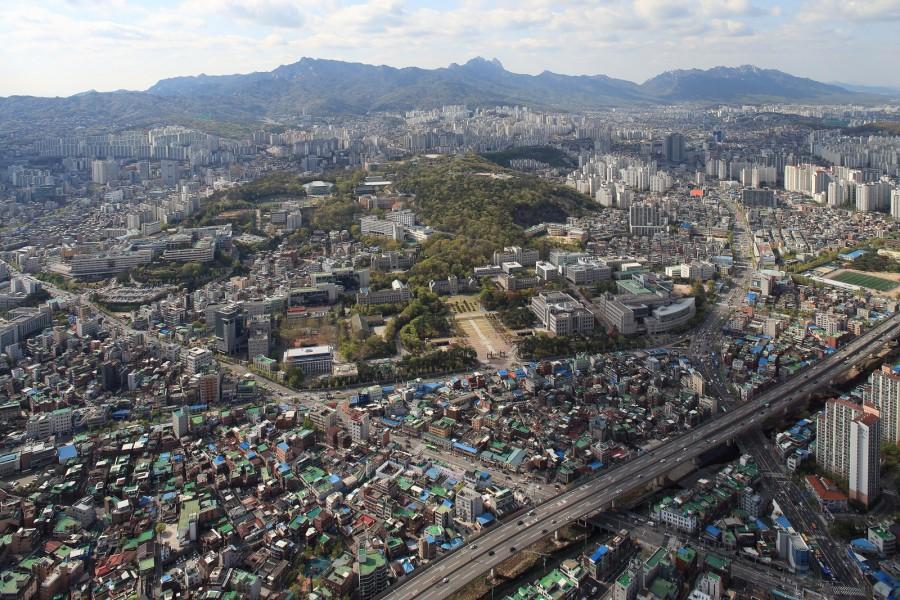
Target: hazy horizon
point(65, 47)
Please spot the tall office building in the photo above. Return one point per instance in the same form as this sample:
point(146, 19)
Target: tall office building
point(104, 171)
point(229, 327)
point(168, 172)
point(895, 203)
point(646, 219)
point(675, 147)
point(883, 392)
point(180, 423)
point(759, 197)
point(865, 447)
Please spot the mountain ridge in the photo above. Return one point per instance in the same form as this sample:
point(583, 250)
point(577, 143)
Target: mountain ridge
point(322, 86)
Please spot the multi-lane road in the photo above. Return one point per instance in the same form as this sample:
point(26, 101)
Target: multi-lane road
point(742, 566)
point(451, 573)
point(799, 510)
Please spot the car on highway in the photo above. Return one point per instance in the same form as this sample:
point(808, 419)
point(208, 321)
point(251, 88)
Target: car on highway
point(445, 580)
point(512, 548)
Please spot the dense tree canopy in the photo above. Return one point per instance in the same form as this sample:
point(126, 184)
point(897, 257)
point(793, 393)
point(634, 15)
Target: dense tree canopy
point(471, 197)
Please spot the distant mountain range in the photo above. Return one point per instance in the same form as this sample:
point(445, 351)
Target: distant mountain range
point(869, 89)
point(334, 87)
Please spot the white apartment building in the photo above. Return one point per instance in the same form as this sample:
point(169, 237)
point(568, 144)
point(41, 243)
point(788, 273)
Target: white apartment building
point(196, 360)
point(104, 171)
point(324, 417)
point(883, 392)
point(468, 505)
point(865, 454)
point(679, 518)
point(359, 427)
point(848, 441)
point(43, 425)
point(833, 436)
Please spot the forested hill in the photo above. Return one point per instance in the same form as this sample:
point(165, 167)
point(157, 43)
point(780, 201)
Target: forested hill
point(473, 197)
point(482, 207)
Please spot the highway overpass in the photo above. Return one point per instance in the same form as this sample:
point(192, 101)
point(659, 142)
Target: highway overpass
point(590, 496)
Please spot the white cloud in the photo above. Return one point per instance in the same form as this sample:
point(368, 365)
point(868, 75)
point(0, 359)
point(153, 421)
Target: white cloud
point(851, 10)
point(64, 46)
point(268, 13)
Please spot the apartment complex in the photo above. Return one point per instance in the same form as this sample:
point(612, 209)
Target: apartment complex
point(847, 446)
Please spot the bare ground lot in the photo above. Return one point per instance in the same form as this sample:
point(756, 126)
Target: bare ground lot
point(485, 334)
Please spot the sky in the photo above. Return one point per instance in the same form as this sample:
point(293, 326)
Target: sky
point(62, 47)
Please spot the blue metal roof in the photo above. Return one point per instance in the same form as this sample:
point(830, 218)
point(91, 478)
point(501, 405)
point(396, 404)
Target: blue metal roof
point(465, 448)
point(599, 552)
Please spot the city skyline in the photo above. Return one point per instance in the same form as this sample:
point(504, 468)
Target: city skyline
point(63, 47)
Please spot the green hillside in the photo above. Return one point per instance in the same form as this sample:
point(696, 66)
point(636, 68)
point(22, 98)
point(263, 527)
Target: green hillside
point(481, 207)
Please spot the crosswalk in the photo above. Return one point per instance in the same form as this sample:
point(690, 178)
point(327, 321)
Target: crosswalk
point(846, 591)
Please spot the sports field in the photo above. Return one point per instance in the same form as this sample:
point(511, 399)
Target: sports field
point(867, 281)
